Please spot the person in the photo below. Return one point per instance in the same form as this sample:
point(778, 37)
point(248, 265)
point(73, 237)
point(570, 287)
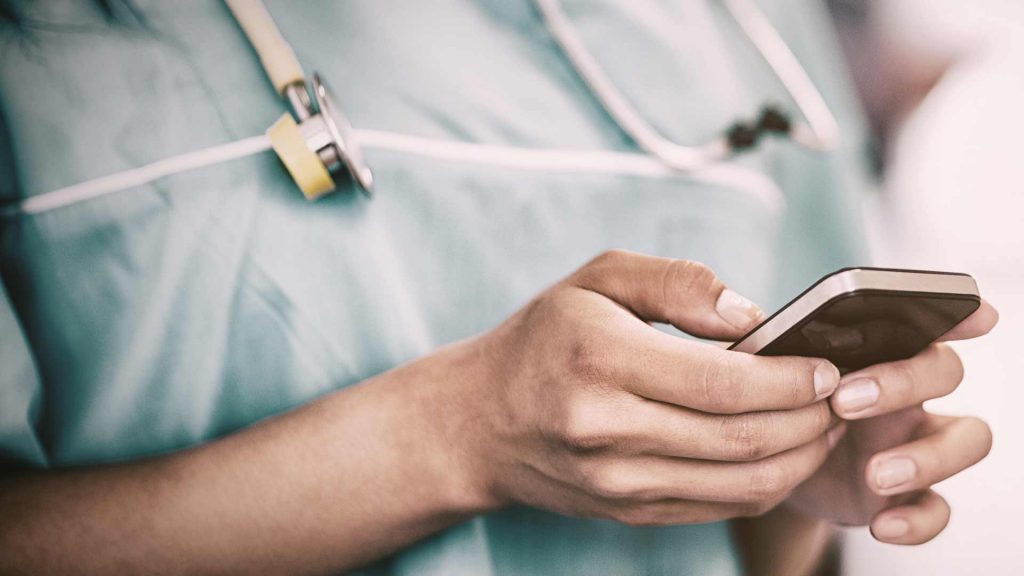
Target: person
point(206, 373)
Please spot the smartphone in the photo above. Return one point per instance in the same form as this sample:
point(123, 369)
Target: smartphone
point(857, 317)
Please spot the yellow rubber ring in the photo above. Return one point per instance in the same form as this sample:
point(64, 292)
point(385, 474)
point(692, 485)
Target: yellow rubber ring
point(302, 163)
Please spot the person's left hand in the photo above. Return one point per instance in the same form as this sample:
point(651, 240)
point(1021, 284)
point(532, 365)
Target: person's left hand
point(882, 471)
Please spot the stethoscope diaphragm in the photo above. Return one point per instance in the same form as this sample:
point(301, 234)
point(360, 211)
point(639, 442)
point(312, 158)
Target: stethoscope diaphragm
point(316, 142)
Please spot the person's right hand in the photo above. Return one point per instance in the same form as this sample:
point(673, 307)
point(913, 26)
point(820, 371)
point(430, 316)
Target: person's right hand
point(587, 410)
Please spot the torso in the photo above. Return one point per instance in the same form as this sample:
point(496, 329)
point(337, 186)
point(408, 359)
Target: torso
point(173, 313)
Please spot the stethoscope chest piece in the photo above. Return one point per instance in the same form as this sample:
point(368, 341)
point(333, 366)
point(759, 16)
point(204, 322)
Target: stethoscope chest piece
point(316, 143)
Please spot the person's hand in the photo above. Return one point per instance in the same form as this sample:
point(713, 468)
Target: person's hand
point(882, 472)
point(587, 410)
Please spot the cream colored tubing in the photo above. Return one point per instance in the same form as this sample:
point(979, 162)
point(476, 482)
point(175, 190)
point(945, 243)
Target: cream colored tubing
point(276, 55)
point(822, 133)
point(775, 51)
point(137, 176)
point(725, 175)
point(682, 158)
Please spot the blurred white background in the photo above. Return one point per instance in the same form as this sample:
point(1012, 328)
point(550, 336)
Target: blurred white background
point(953, 199)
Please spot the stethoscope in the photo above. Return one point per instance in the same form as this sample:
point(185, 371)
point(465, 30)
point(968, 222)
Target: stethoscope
point(315, 141)
point(330, 150)
point(320, 150)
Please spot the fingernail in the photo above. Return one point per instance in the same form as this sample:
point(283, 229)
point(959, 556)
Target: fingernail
point(891, 528)
point(826, 379)
point(737, 310)
point(856, 395)
point(836, 434)
point(894, 472)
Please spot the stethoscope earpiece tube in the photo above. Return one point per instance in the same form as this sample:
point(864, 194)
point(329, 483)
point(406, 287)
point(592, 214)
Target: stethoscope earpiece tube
point(315, 143)
point(276, 55)
point(331, 148)
point(819, 132)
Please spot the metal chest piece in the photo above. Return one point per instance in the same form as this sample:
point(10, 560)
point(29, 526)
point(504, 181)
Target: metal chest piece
point(320, 149)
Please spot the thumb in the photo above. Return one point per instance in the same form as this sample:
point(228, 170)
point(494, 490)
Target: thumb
point(977, 324)
point(683, 293)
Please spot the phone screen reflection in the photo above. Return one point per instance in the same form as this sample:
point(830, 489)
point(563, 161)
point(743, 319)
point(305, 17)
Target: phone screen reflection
point(865, 328)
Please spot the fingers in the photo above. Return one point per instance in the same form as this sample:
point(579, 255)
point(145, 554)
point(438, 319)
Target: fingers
point(952, 445)
point(913, 523)
point(671, 511)
point(661, 367)
point(719, 381)
point(977, 324)
point(686, 294)
point(769, 480)
point(662, 429)
point(892, 386)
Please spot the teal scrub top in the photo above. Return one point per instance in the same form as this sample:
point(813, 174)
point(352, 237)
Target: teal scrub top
point(176, 312)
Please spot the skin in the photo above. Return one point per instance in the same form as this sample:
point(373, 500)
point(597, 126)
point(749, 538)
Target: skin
point(896, 429)
point(895, 425)
point(575, 404)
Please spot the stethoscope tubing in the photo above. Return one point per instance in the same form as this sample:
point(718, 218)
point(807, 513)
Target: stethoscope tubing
point(283, 69)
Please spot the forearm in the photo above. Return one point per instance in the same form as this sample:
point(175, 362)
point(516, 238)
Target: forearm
point(338, 483)
point(782, 542)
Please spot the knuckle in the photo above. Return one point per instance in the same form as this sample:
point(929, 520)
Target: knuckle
point(755, 509)
point(722, 389)
point(596, 272)
point(583, 429)
point(555, 306)
point(611, 482)
point(769, 481)
point(558, 304)
point(903, 377)
point(587, 361)
point(803, 373)
point(744, 437)
point(686, 277)
point(690, 277)
point(607, 259)
point(955, 367)
point(636, 516)
point(612, 256)
point(822, 417)
point(794, 378)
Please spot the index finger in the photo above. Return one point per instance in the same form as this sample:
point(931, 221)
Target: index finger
point(706, 378)
point(977, 324)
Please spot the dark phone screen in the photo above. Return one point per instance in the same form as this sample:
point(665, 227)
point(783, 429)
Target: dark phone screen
point(867, 327)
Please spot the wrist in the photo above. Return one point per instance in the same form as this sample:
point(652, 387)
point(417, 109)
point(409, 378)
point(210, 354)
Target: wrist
point(451, 401)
